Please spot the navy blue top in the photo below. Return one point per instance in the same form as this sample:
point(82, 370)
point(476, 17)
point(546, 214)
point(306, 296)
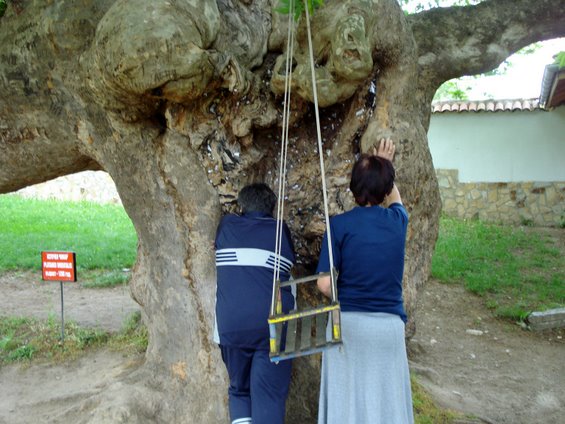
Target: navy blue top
point(245, 261)
point(368, 248)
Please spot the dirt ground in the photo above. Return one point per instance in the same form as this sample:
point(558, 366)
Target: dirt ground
point(471, 362)
point(468, 360)
point(24, 294)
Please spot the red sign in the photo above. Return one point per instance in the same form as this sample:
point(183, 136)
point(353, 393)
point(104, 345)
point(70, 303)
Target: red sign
point(58, 266)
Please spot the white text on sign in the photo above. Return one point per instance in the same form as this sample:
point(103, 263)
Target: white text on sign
point(58, 256)
point(63, 265)
point(64, 274)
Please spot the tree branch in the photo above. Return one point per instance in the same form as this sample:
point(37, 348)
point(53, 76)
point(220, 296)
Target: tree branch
point(469, 40)
point(29, 157)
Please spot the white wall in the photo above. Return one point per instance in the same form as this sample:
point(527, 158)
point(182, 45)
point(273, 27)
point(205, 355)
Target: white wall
point(500, 146)
point(92, 186)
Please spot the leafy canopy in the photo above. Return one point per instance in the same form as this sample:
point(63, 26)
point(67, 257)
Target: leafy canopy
point(297, 7)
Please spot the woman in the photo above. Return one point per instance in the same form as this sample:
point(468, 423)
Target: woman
point(367, 381)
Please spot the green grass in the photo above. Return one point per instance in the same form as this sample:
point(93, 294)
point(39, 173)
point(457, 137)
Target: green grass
point(425, 409)
point(102, 236)
point(97, 279)
point(28, 339)
point(514, 270)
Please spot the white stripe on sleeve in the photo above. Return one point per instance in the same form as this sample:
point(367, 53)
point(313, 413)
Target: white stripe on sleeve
point(246, 420)
point(251, 257)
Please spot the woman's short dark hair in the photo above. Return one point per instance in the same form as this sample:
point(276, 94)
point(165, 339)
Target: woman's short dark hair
point(372, 179)
point(257, 197)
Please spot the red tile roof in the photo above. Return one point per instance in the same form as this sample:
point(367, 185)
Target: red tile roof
point(485, 105)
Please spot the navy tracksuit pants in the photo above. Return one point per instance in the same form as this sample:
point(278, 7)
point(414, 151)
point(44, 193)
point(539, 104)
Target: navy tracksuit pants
point(258, 388)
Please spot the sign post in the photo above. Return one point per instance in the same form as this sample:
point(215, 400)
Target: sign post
point(59, 266)
point(62, 315)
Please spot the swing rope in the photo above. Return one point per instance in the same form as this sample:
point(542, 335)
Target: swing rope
point(320, 147)
point(302, 329)
point(284, 148)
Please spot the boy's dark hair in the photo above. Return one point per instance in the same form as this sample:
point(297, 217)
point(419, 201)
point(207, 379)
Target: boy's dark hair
point(372, 179)
point(257, 197)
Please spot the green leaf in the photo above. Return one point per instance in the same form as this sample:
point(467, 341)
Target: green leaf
point(560, 59)
point(450, 90)
point(314, 4)
point(3, 7)
point(283, 10)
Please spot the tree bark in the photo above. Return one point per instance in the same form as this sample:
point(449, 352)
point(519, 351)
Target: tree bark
point(180, 101)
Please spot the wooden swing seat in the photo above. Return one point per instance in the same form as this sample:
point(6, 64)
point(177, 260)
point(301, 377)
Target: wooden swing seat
point(302, 332)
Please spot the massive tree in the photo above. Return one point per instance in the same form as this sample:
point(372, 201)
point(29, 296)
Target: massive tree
point(180, 102)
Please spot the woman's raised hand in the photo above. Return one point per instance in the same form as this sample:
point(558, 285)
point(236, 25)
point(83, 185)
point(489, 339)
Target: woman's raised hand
point(385, 149)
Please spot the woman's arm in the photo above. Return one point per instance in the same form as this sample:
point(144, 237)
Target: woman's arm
point(324, 285)
point(393, 197)
point(386, 150)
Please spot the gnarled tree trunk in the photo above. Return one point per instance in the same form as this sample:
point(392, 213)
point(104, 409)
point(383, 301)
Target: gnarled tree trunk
point(180, 101)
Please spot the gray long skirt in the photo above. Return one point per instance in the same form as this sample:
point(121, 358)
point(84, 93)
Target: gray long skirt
point(366, 380)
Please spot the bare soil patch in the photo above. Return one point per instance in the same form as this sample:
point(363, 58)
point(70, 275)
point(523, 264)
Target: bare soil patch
point(41, 393)
point(23, 294)
point(474, 363)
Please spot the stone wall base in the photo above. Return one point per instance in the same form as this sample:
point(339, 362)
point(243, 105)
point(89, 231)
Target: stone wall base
point(524, 203)
point(547, 320)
